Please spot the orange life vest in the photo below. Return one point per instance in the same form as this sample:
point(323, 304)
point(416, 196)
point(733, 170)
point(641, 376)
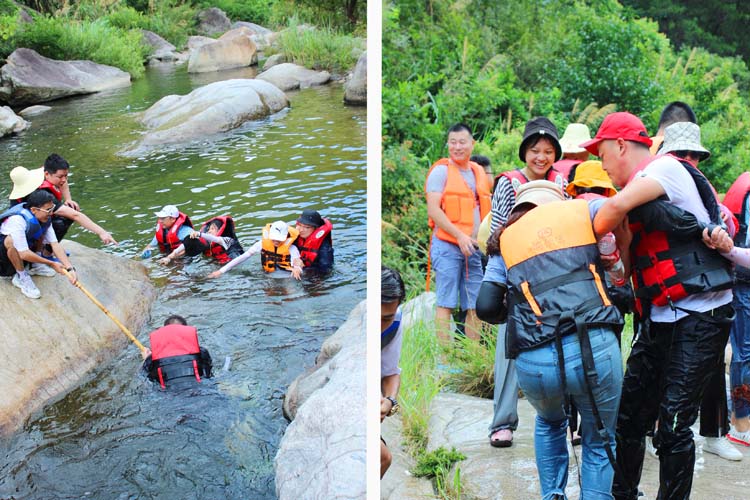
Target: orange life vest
point(277, 257)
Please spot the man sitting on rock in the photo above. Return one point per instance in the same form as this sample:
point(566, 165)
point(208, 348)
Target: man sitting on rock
point(24, 227)
point(391, 334)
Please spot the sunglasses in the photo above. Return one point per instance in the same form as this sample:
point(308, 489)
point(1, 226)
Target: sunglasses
point(48, 210)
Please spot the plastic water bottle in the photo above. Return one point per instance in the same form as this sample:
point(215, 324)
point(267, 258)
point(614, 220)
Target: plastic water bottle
point(608, 246)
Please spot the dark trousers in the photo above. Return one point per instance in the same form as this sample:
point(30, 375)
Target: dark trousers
point(667, 373)
point(714, 412)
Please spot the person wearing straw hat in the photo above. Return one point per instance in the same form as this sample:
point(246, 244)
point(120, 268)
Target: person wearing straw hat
point(23, 227)
point(561, 330)
point(573, 153)
point(685, 311)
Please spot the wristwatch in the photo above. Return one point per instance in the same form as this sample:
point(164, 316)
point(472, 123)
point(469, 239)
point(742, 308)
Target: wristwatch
point(394, 406)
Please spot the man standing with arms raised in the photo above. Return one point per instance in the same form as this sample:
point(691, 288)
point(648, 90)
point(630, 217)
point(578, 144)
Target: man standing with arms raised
point(685, 311)
point(458, 198)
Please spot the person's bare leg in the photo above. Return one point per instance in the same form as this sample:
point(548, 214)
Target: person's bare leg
point(443, 324)
point(473, 325)
point(385, 459)
point(12, 253)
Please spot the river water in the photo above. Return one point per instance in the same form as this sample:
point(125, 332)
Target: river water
point(116, 436)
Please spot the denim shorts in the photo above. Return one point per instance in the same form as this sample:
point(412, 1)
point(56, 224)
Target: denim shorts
point(457, 278)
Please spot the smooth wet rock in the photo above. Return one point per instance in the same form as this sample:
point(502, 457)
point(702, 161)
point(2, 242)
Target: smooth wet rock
point(30, 78)
point(355, 90)
point(322, 453)
point(235, 49)
point(37, 109)
point(289, 76)
point(274, 60)
point(213, 21)
point(10, 123)
point(399, 483)
point(163, 50)
point(50, 345)
point(206, 111)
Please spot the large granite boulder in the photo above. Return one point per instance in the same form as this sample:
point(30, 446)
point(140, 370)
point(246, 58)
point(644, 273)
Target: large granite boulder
point(355, 90)
point(234, 49)
point(213, 21)
point(197, 41)
point(256, 29)
point(10, 123)
point(163, 50)
point(49, 344)
point(290, 76)
point(322, 453)
point(208, 110)
point(29, 78)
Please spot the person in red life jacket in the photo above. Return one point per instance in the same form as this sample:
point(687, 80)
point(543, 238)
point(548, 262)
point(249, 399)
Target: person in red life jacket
point(573, 153)
point(172, 228)
point(215, 239)
point(684, 308)
point(314, 242)
point(175, 357)
point(539, 149)
point(53, 177)
point(277, 251)
point(22, 228)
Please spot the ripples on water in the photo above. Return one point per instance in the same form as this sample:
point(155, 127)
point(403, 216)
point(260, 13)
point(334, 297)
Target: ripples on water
point(116, 436)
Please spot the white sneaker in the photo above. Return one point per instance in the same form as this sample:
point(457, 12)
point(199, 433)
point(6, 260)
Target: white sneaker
point(722, 447)
point(38, 269)
point(650, 448)
point(738, 437)
point(27, 286)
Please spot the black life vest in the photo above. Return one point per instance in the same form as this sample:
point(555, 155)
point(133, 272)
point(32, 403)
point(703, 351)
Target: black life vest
point(308, 247)
point(226, 230)
point(737, 200)
point(670, 265)
point(175, 354)
point(167, 238)
point(34, 229)
point(554, 275)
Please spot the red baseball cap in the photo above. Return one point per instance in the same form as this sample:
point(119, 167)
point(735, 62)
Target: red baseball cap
point(618, 126)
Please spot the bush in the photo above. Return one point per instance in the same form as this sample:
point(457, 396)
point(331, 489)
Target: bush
point(254, 11)
point(473, 364)
point(8, 28)
point(320, 48)
point(65, 39)
point(172, 20)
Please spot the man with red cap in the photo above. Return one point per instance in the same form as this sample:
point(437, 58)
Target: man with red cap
point(683, 303)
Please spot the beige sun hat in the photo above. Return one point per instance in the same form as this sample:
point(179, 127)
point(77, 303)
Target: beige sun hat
point(25, 181)
point(538, 193)
point(575, 134)
point(684, 136)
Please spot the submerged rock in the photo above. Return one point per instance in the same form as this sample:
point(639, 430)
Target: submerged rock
point(322, 453)
point(289, 76)
point(30, 78)
point(235, 49)
point(355, 90)
point(10, 123)
point(208, 110)
point(37, 109)
point(50, 344)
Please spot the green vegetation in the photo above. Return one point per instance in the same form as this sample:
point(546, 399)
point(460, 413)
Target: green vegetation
point(320, 48)
point(473, 365)
point(437, 465)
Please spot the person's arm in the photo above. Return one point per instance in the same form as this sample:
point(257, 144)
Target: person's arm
point(237, 261)
point(177, 252)
point(85, 222)
point(64, 267)
point(638, 191)
point(389, 386)
point(65, 189)
point(294, 258)
point(146, 252)
point(491, 305)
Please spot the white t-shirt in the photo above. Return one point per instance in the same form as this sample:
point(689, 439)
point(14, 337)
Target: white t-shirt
point(682, 192)
point(15, 227)
point(390, 354)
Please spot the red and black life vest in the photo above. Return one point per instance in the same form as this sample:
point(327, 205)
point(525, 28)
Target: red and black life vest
point(48, 186)
point(227, 230)
point(167, 238)
point(175, 353)
point(517, 175)
point(308, 247)
point(737, 200)
point(669, 266)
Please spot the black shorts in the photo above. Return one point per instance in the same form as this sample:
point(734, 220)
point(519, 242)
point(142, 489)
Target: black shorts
point(6, 268)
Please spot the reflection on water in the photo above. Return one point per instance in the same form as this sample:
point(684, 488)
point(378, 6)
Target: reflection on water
point(116, 436)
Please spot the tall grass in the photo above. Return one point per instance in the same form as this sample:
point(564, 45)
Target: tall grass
point(170, 19)
point(472, 365)
point(320, 48)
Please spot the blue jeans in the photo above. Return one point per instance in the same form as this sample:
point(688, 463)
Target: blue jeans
point(457, 278)
point(539, 378)
point(739, 369)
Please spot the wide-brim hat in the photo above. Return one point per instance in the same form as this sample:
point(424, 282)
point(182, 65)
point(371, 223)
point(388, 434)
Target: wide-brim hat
point(575, 134)
point(25, 181)
point(590, 174)
point(311, 218)
point(539, 127)
point(684, 136)
point(538, 193)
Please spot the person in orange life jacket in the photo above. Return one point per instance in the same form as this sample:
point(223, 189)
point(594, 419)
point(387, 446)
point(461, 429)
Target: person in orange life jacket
point(392, 294)
point(458, 198)
point(52, 178)
point(314, 242)
point(539, 149)
point(560, 330)
point(277, 251)
point(175, 357)
point(673, 112)
point(23, 227)
point(573, 154)
point(215, 239)
point(684, 317)
point(172, 228)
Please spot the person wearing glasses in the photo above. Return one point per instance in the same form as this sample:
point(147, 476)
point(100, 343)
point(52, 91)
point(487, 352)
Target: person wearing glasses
point(23, 227)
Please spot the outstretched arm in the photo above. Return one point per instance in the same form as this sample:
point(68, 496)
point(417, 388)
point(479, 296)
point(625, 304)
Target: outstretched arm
point(83, 220)
point(237, 261)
